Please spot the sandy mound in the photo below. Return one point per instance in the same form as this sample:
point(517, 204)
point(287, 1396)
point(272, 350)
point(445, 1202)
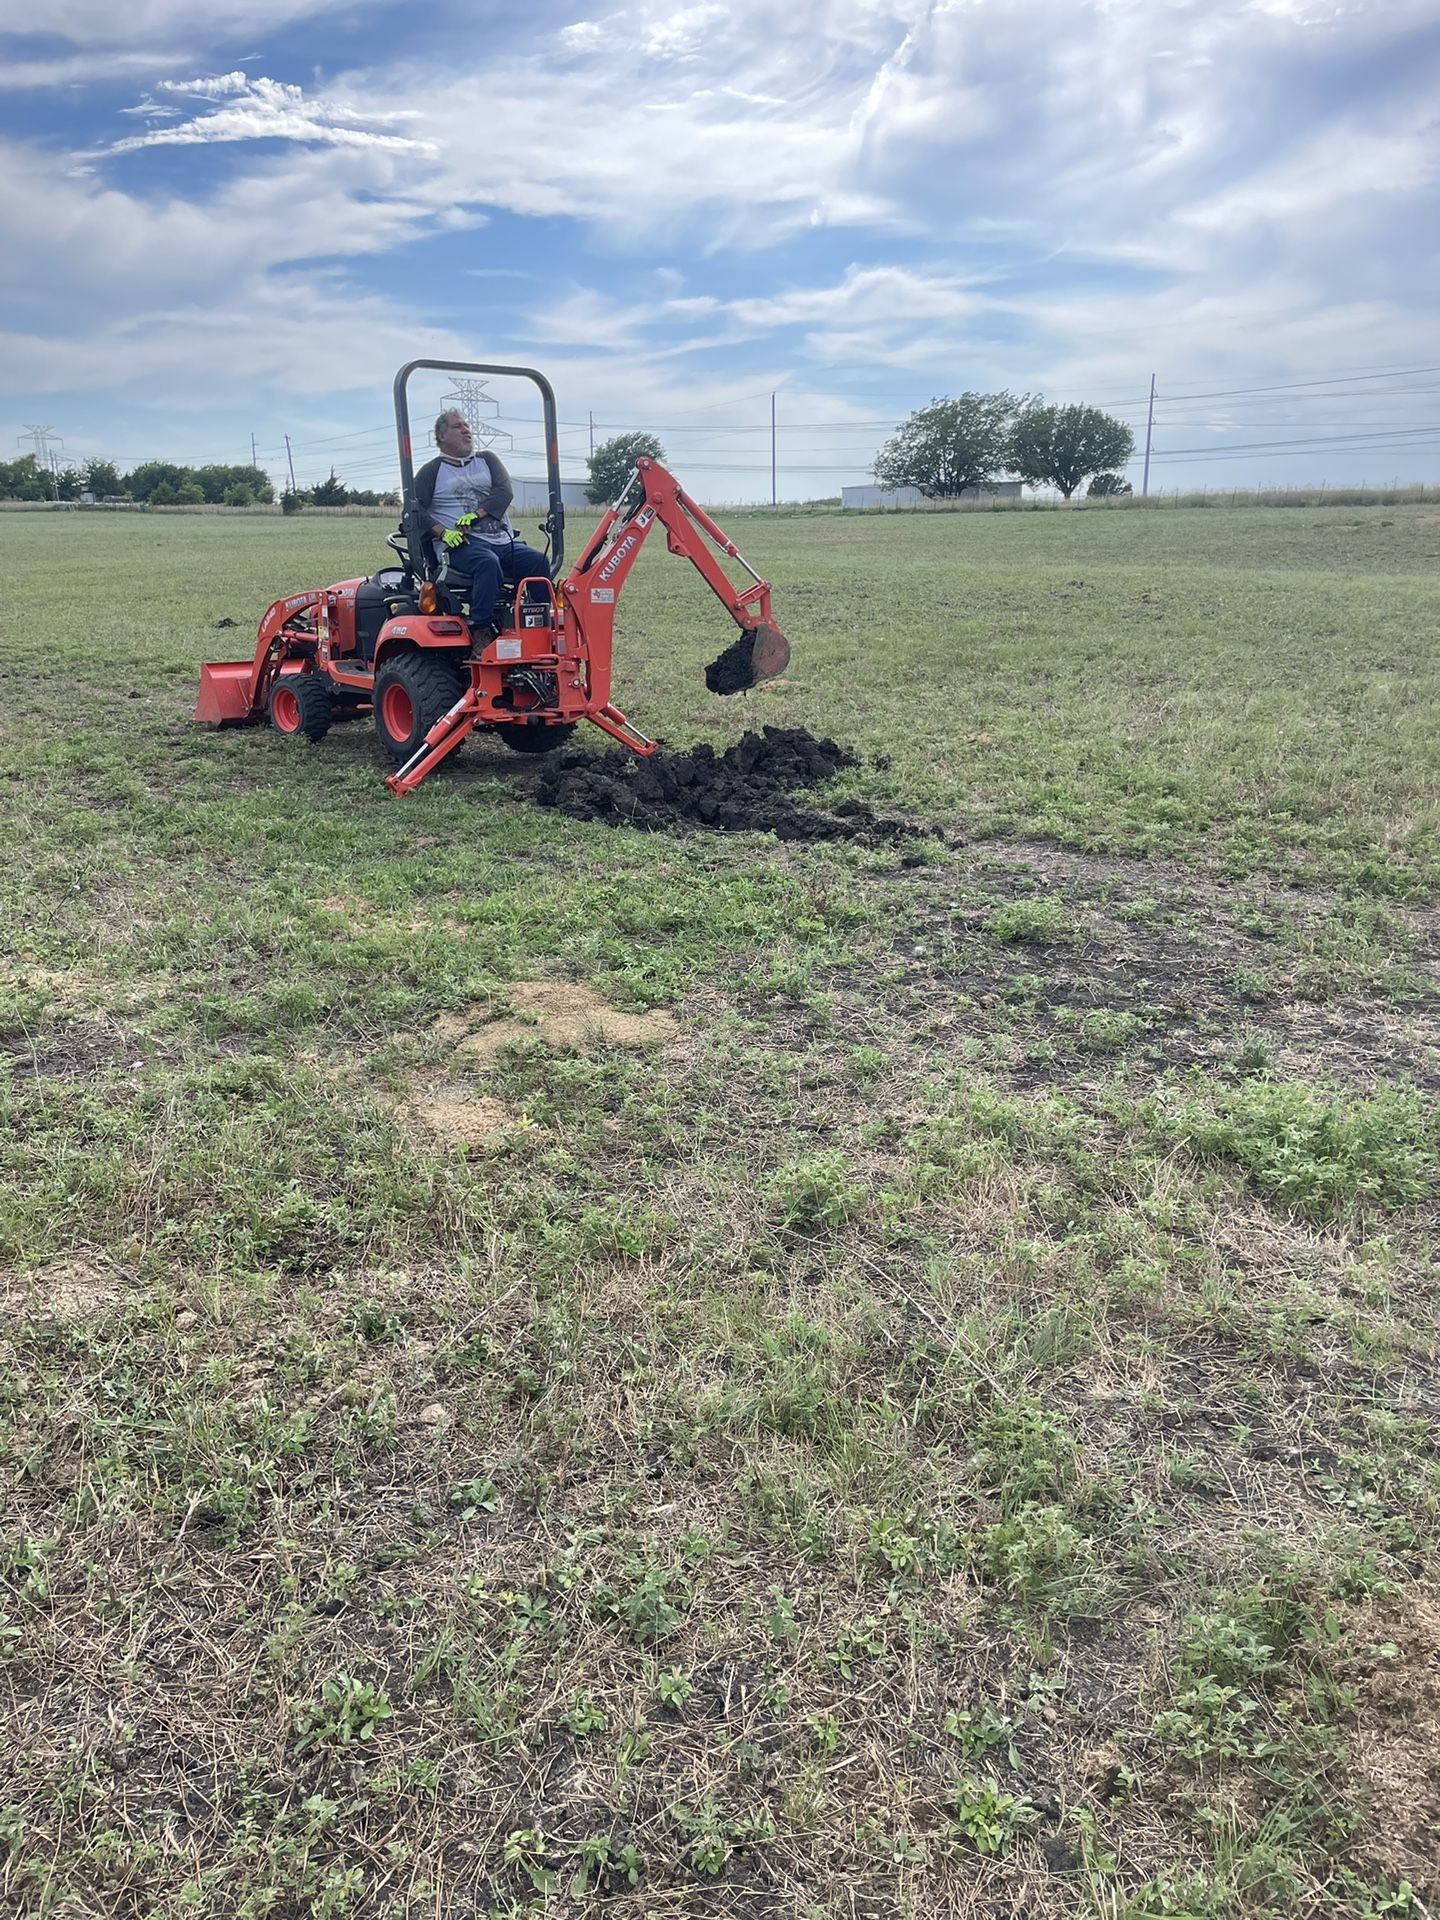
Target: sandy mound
point(463, 1120)
point(70, 1289)
point(567, 1017)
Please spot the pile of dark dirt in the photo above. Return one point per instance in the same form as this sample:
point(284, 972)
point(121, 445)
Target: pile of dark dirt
point(748, 788)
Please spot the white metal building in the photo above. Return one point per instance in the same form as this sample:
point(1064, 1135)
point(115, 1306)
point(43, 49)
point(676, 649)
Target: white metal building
point(912, 496)
point(531, 496)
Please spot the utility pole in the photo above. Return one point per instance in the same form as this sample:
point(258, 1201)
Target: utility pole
point(254, 457)
point(1149, 424)
point(45, 458)
point(592, 433)
point(291, 458)
point(774, 493)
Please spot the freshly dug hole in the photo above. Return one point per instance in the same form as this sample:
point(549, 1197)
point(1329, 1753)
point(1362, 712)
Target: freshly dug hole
point(746, 789)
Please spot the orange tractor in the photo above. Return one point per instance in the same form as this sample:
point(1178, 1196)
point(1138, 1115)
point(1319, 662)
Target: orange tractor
point(398, 644)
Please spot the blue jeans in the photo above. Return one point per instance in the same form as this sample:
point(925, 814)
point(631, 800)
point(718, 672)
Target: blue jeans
point(491, 567)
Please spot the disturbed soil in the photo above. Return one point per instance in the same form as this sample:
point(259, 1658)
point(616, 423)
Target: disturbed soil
point(749, 788)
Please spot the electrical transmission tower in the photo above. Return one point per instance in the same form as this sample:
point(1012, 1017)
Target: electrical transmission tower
point(46, 444)
point(480, 410)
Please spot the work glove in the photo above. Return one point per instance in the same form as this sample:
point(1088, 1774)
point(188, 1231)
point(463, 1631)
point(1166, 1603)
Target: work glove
point(453, 537)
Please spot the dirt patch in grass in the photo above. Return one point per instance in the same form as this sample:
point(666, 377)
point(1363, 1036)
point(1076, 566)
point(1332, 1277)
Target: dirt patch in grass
point(70, 1289)
point(464, 1120)
point(747, 788)
point(566, 1016)
point(1396, 1739)
point(1082, 958)
point(74, 1049)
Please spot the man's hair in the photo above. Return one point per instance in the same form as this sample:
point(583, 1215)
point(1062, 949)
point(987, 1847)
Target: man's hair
point(450, 413)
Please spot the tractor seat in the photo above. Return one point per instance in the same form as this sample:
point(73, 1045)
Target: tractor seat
point(456, 586)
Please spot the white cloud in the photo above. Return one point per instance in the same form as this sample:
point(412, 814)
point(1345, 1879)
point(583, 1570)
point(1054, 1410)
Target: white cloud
point(680, 35)
point(1059, 195)
point(264, 109)
point(79, 69)
point(96, 23)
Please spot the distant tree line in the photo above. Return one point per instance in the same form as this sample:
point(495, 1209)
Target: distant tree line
point(161, 483)
point(975, 440)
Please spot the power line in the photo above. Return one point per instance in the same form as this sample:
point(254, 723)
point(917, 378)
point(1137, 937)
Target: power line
point(1295, 386)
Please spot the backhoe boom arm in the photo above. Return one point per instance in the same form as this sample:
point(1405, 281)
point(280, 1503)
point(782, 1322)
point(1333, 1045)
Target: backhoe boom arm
point(652, 494)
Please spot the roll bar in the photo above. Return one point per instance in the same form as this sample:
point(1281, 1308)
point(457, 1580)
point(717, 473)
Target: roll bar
point(554, 522)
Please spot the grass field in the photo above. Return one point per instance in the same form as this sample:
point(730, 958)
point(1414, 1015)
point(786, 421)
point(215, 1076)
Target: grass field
point(555, 1370)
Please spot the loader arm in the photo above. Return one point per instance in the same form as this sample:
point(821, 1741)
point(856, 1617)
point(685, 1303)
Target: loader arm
point(593, 583)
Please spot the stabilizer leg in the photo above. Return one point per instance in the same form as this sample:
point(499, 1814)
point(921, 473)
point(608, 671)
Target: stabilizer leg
point(610, 720)
point(446, 734)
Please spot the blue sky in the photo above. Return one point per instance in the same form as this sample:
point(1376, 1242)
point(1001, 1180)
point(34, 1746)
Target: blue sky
point(241, 224)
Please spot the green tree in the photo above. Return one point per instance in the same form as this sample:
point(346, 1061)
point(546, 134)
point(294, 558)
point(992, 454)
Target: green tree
point(612, 462)
point(951, 445)
point(22, 479)
point(218, 481)
point(141, 484)
point(1107, 485)
point(165, 495)
point(190, 493)
point(331, 492)
point(1060, 446)
point(102, 477)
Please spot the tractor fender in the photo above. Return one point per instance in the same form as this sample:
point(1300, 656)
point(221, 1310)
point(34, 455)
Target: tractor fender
point(414, 631)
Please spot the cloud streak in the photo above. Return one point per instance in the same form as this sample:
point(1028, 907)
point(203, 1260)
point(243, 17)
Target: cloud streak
point(263, 109)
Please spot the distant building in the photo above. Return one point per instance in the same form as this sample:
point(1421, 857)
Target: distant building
point(533, 496)
point(912, 496)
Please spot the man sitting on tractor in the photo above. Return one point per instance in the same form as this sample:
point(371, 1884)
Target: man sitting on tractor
point(464, 496)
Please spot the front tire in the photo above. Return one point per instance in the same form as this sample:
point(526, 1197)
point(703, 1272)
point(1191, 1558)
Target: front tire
point(300, 705)
point(412, 691)
point(522, 739)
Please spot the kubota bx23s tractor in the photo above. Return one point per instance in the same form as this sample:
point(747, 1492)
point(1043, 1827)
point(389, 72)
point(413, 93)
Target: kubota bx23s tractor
point(399, 645)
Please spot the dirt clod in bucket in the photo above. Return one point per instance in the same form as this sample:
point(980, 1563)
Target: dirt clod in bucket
point(734, 669)
point(759, 654)
point(748, 788)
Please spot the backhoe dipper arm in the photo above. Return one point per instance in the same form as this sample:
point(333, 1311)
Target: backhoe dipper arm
point(652, 494)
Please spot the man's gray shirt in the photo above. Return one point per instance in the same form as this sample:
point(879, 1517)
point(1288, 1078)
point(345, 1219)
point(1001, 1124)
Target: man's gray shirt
point(464, 486)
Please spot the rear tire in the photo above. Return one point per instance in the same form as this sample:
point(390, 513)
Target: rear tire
point(412, 691)
point(522, 739)
point(300, 705)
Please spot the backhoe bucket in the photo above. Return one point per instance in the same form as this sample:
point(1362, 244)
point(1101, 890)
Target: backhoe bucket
point(227, 692)
point(759, 654)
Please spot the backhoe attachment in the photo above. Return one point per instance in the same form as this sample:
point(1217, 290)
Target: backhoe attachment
point(651, 494)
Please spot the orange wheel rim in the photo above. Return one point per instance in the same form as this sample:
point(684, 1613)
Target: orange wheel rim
point(397, 713)
point(285, 710)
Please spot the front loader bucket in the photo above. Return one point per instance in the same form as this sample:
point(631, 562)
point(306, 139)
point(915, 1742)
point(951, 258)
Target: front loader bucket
point(759, 654)
point(227, 693)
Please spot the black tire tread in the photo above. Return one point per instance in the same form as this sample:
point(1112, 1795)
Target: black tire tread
point(434, 685)
point(521, 738)
point(313, 695)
